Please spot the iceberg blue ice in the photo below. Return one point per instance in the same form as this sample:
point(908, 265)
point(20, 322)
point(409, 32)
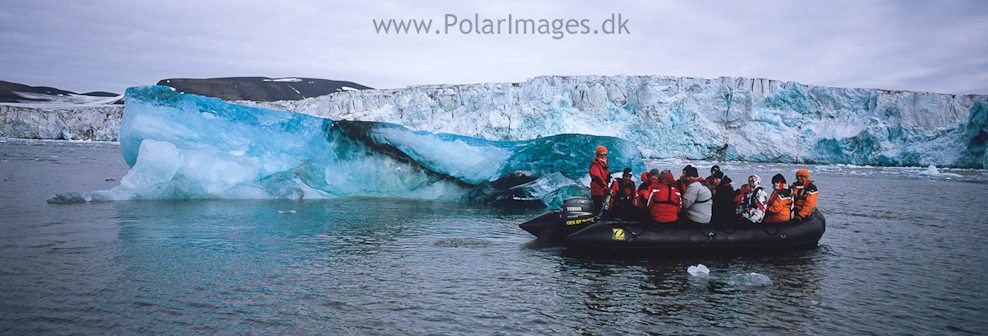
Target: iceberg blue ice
point(182, 146)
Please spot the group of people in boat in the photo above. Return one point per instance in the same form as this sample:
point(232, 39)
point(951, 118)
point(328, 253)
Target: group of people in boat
point(695, 200)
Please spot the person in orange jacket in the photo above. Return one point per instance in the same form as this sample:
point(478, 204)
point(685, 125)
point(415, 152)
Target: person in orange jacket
point(780, 203)
point(664, 200)
point(600, 178)
point(805, 194)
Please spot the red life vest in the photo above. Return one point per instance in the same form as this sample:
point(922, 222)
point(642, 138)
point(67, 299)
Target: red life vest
point(664, 200)
point(624, 192)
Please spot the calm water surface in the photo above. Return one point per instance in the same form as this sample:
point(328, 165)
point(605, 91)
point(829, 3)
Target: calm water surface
point(903, 254)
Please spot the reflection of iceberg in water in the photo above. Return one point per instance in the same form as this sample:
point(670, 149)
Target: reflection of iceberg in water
point(191, 147)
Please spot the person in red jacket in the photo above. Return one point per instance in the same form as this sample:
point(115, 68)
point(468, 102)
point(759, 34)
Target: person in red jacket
point(600, 177)
point(643, 190)
point(664, 200)
point(624, 198)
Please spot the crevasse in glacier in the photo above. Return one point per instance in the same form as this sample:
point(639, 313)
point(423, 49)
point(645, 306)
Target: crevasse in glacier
point(690, 118)
point(183, 146)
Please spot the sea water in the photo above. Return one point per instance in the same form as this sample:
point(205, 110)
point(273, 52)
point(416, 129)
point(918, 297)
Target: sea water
point(904, 253)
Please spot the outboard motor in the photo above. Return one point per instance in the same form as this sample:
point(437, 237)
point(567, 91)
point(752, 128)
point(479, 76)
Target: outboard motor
point(577, 213)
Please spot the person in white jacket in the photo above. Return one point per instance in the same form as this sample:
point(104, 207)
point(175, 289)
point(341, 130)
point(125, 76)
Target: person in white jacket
point(697, 203)
point(752, 209)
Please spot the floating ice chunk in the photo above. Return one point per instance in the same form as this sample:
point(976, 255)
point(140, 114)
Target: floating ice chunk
point(67, 198)
point(191, 147)
point(750, 279)
point(286, 212)
point(698, 270)
point(932, 171)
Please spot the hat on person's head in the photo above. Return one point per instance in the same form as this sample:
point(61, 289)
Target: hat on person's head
point(756, 179)
point(690, 171)
point(601, 150)
point(715, 168)
point(717, 174)
point(778, 178)
point(803, 172)
point(627, 171)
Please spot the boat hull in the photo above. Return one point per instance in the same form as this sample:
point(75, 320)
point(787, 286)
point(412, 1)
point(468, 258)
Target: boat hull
point(634, 235)
point(621, 234)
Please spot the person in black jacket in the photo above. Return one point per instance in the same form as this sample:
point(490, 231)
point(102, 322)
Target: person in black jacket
point(723, 211)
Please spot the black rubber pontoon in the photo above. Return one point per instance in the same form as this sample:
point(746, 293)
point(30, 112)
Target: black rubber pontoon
point(620, 234)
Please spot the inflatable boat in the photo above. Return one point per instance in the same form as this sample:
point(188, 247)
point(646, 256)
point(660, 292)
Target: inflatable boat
point(576, 224)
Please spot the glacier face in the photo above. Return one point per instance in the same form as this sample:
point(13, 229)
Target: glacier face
point(182, 146)
point(60, 121)
point(690, 118)
point(668, 117)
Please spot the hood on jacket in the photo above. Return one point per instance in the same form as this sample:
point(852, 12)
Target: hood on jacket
point(667, 178)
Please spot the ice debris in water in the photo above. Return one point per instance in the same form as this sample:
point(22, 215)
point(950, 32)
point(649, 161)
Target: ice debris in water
point(698, 270)
point(286, 212)
point(68, 198)
point(932, 171)
point(183, 146)
point(750, 279)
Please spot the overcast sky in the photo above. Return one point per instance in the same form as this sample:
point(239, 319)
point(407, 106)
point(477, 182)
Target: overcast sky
point(938, 46)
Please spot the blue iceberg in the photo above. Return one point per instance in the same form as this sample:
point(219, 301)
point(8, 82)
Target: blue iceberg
point(183, 146)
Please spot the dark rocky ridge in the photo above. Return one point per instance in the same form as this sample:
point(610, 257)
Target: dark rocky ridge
point(259, 88)
point(8, 92)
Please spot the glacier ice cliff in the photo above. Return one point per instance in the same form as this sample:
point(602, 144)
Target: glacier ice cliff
point(668, 117)
point(183, 146)
point(690, 118)
point(60, 122)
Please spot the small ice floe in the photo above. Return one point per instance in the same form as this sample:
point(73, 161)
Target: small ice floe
point(286, 212)
point(698, 271)
point(750, 279)
point(932, 171)
point(68, 198)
